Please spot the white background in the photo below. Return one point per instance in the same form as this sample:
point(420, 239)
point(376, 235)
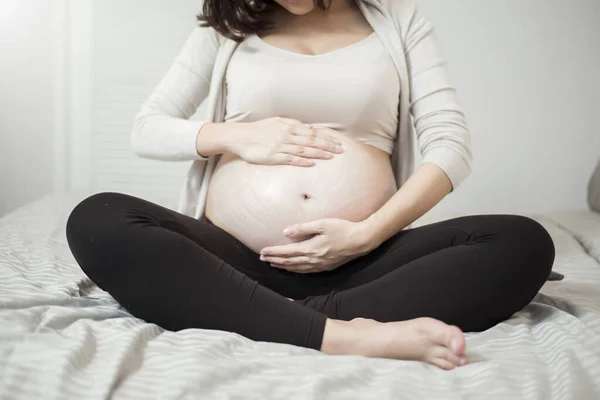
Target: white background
point(74, 72)
point(27, 114)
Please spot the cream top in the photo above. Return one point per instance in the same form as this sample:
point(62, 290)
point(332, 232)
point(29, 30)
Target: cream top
point(355, 89)
point(428, 114)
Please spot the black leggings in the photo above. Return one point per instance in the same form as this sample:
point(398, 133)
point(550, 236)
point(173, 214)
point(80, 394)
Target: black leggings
point(180, 273)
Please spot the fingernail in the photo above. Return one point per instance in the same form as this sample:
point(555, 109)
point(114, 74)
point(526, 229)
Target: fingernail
point(328, 155)
point(262, 258)
point(287, 232)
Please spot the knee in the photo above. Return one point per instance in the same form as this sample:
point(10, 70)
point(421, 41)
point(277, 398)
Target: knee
point(532, 243)
point(89, 222)
point(86, 214)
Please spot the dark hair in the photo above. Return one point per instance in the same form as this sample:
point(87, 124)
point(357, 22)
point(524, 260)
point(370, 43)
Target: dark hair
point(235, 18)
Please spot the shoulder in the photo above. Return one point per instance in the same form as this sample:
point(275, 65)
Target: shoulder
point(407, 18)
point(401, 9)
point(206, 37)
point(207, 34)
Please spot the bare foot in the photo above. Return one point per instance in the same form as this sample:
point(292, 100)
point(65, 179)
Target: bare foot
point(422, 339)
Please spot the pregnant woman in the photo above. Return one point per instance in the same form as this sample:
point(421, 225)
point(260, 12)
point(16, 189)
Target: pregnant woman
point(294, 223)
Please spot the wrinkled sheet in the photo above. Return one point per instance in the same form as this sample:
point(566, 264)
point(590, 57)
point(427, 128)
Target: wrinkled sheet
point(583, 226)
point(61, 337)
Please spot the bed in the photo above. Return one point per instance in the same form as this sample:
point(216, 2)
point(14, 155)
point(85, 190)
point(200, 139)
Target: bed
point(61, 337)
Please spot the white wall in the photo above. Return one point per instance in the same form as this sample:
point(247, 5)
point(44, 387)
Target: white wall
point(132, 50)
point(527, 73)
point(26, 101)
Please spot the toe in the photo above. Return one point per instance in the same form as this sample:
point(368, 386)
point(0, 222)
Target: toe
point(446, 335)
point(457, 341)
point(453, 358)
point(443, 364)
point(442, 352)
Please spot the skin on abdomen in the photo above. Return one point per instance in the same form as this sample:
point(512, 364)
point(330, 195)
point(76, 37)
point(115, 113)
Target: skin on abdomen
point(255, 203)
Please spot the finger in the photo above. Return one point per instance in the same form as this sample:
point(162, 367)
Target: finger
point(325, 134)
point(316, 139)
point(306, 229)
point(306, 152)
point(289, 159)
point(298, 127)
point(289, 261)
point(303, 130)
point(309, 133)
point(286, 251)
point(316, 143)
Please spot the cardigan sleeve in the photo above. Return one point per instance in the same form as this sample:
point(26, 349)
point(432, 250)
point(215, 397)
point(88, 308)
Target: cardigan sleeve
point(162, 128)
point(440, 124)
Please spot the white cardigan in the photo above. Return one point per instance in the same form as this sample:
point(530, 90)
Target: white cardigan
point(163, 130)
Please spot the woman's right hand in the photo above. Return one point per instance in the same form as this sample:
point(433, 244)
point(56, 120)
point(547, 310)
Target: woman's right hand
point(282, 141)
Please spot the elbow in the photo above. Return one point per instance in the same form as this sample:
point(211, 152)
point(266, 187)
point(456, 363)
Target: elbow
point(468, 169)
point(464, 158)
point(460, 164)
point(454, 165)
point(444, 137)
point(453, 157)
point(137, 139)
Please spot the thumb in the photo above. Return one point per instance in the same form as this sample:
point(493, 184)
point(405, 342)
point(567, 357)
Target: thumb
point(309, 228)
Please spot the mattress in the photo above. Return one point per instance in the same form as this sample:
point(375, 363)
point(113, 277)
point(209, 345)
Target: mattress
point(61, 337)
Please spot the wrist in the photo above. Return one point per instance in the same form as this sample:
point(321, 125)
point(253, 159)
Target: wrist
point(370, 234)
point(216, 138)
point(231, 135)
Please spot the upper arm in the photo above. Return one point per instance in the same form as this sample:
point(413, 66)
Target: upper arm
point(187, 82)
point(162, 128)
point(440, 124)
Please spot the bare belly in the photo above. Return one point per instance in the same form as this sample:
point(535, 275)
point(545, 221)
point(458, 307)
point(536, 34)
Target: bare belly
point(254, 203)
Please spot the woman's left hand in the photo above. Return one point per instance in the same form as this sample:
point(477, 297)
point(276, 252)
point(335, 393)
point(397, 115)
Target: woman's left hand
point(330, 243)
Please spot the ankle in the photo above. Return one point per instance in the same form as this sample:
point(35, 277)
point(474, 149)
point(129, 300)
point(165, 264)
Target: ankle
point(339, 337)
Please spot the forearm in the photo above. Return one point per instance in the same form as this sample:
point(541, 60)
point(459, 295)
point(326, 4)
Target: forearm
point(215, 138)
point(421, 192)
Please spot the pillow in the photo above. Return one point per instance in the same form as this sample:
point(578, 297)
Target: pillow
point(594, 190)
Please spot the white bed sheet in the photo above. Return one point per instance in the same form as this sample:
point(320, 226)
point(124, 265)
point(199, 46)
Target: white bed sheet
point(60, 338)
point(583, 225)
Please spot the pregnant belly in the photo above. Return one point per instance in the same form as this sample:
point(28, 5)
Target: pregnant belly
point(254, 203)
